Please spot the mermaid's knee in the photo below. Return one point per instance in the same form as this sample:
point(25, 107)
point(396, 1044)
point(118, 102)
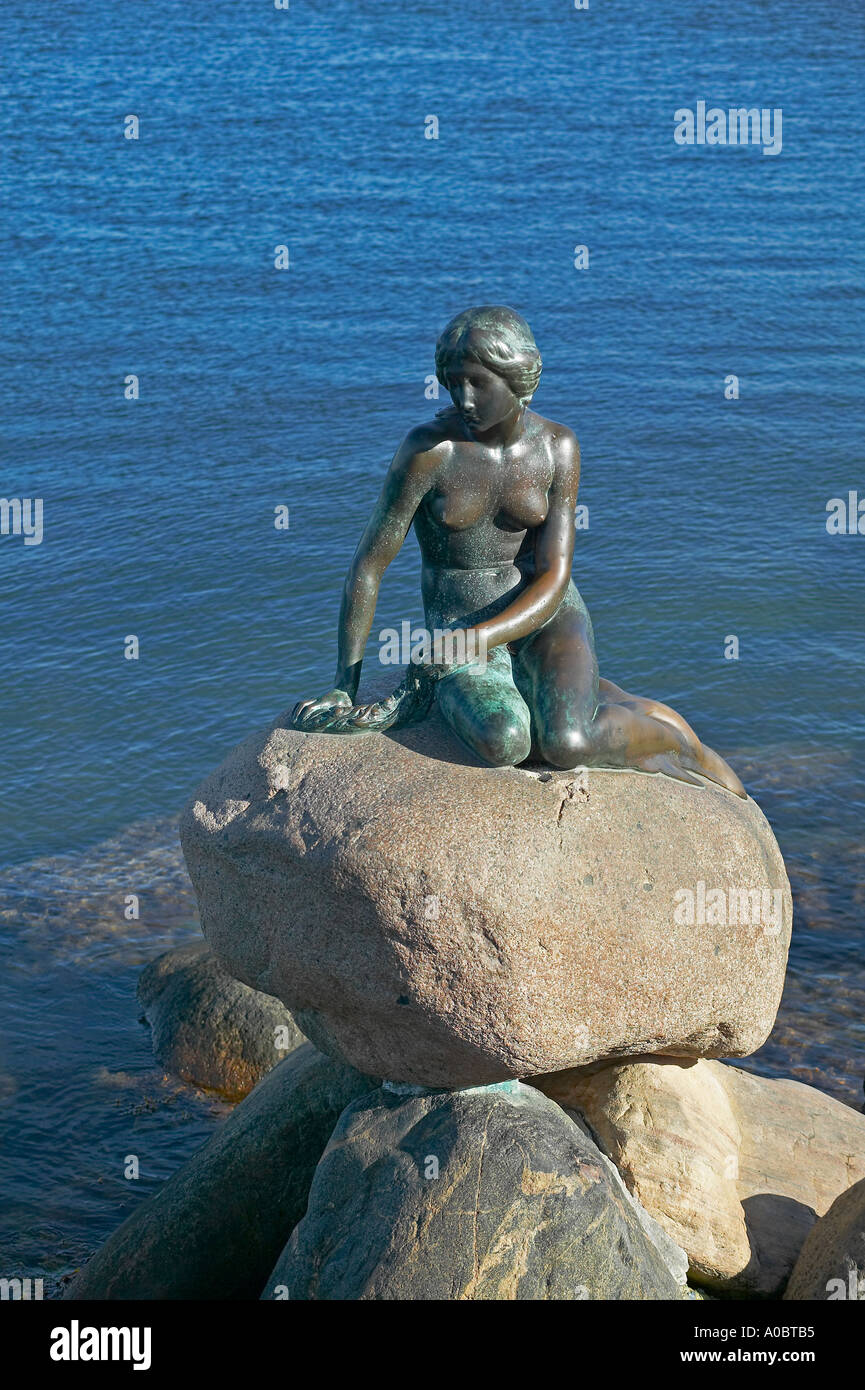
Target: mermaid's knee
point(566, 747)
point(506, 740)
point(488, 713)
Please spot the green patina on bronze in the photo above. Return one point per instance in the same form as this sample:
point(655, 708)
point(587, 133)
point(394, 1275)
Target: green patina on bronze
point(490, 487)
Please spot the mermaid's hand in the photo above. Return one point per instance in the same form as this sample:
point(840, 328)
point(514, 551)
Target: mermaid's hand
point(335, 713)
point(465, 650)
point(361, 717)
point(437, 670)
point(313, 714)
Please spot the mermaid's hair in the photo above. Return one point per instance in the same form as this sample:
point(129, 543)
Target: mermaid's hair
point(503, 342)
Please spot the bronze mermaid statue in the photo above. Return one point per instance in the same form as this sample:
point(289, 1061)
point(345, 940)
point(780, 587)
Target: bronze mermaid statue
point(491, 489)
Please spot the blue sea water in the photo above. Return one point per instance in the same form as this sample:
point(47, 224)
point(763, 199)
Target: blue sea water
point(262, 388)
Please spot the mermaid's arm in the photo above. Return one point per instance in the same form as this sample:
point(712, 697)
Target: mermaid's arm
point(554, 554)
point(407, 481)
point(404, 487)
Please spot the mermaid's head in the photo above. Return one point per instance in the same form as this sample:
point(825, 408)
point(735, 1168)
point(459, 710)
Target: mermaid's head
point(499, 341)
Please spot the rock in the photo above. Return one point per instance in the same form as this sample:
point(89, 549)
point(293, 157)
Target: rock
point(215, 1229)
point(736, 1167)
point(671, 1132)
point(208, 1027)
point(831, 1265)
point(674, 1257)
point(446, 923)
point(481, 1194)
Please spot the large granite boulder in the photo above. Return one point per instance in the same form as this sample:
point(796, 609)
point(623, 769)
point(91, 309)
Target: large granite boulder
point(217, 1226)
point(434, 920)
point(207, 1027)
point(481, 1194)
point(736, 1167)
point(831, 1266)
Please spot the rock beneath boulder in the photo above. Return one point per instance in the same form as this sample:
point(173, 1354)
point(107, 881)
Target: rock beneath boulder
point(215, 1229)
point(481, 1194)
point(209, 1028)
point(736, 1167)
point(438, 921)
point(674, 1257)
point(831, 1265)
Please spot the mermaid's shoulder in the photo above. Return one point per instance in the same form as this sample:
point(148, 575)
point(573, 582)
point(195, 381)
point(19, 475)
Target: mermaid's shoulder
point(561, 437)
point(428, 438)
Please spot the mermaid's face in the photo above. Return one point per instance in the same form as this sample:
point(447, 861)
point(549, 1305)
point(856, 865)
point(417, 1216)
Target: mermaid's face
point(481, 396)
